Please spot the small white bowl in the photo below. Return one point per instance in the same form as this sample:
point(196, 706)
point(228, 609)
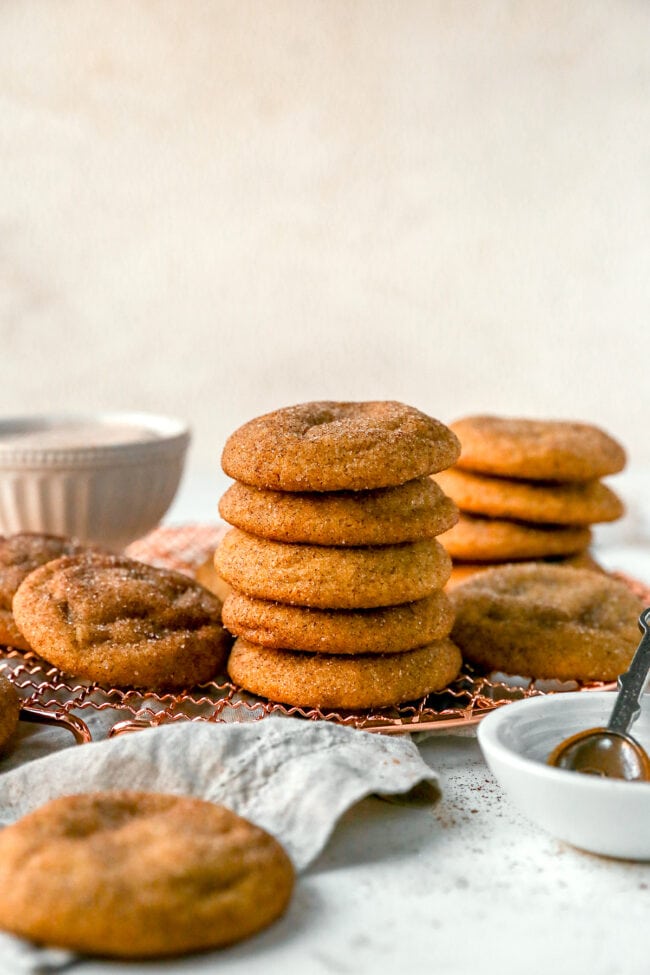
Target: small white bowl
point(103, 478)
point(606, 816)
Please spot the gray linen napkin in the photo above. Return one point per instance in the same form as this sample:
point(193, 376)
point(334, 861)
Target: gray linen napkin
point(294, 778)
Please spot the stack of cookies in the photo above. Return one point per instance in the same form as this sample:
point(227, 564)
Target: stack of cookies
point(336, 572)
point(528, 489)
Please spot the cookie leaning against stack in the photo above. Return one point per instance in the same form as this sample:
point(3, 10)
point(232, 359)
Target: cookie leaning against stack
point(528, 489)
point(333, 558)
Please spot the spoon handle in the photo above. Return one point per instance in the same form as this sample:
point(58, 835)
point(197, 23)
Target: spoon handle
point(631, 684)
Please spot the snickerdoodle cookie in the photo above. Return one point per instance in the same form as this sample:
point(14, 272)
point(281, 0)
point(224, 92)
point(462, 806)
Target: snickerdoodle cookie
point(386, 516)
point(332, 578)
point(332, 446)
point(139, 875)
point(547, 450)
point(538, 502)
point(326, 681)
point(346, 631)
point(19, 555)
point(113, 620)
point(547, 621)
point(477, 539)
point(9, 710)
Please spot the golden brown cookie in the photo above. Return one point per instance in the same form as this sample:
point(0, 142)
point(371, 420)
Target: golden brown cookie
point(206, 575)
point(139, 875)
point(120, 622)
point(547, 621)
point(476, 539)
point(19, 555)
point(343, 631)
point(387, 516)
point(578, 503)
point(462, 571)
point(332, 578)
point(9, 710)
point(330, 446)
point(10, 635)
point(322, 680)
point(537, 450)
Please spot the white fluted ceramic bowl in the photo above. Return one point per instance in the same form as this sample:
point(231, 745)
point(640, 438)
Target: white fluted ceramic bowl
point(104, 478)
point(606, 816)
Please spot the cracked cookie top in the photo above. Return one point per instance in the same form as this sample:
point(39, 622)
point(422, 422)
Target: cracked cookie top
point(113, 620)
point(332, 446)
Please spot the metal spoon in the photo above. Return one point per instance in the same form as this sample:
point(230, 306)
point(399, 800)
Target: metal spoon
point(611, 752)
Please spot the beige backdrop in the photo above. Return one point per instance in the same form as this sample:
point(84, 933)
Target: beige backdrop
point(217, 208)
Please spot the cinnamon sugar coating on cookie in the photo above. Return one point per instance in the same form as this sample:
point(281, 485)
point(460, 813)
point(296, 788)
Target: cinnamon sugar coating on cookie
point(139, 875)
point(335, 446)
point(547, 450)
point(327, 681)
point(391, 629)
point(20, 554)
point(386, 516)
point(536, 502)
point(113, 620)
point(547, 621)
point(332, 578)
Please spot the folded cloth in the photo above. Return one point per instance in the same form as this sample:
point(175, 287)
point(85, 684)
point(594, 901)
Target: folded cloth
point(293, 778)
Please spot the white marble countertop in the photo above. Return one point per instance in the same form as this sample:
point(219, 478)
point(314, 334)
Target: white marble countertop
point(465, 886)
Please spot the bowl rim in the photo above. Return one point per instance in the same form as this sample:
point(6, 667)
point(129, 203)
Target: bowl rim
point(171, 433)
point(490, 743)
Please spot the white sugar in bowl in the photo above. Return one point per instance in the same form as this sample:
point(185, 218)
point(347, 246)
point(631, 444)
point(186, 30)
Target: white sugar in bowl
point(104, 478)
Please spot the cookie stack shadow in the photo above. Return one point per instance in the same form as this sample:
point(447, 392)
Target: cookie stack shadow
point(337, 577)
point(528, 490)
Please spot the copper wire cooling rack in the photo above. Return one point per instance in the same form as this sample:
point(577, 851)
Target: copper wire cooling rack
point(52, 697)
point(49, 693)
